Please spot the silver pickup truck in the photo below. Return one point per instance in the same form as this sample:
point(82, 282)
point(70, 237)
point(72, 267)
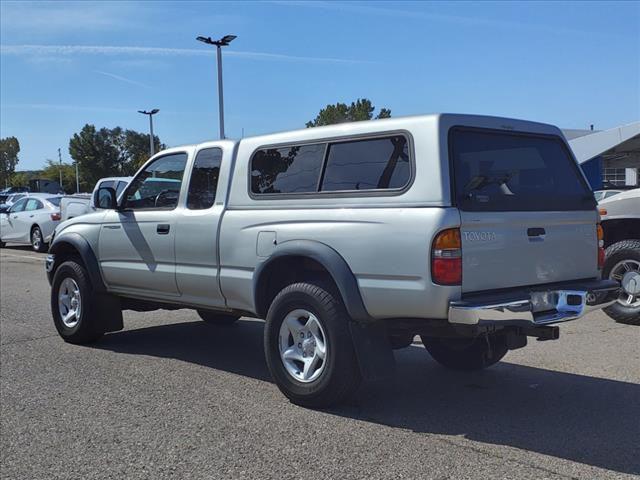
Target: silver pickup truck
point(349, 240)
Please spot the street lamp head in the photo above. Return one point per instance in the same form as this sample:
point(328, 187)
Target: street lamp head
point(227, 39)
point(206, 40)
point(223, 42)
point(154, 111)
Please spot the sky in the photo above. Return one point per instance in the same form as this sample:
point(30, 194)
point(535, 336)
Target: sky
point(63, 65)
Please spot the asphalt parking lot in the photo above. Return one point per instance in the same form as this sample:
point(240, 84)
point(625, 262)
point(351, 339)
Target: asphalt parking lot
point(172, 397)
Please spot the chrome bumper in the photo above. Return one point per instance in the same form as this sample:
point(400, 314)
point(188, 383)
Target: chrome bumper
point(536, 306)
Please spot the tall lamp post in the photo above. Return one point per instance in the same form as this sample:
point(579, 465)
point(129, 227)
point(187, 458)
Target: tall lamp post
point(151, 114)
point(223, 42)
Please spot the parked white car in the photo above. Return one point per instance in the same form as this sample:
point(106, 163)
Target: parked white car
point(604, 194)
point(11, 199)
point(31, 220)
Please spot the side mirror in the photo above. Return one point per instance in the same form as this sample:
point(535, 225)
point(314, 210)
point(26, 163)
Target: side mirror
point(4, 209)
point(105, 197)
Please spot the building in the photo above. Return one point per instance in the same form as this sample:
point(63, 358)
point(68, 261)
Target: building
point(608, 157)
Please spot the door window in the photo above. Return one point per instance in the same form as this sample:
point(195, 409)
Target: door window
point(19, 205)
point(204, 179)
point(33, 204)
point(121, 186)
point(157, 187)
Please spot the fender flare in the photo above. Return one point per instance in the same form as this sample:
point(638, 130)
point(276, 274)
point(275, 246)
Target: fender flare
point(79, 243)
point(331, 260)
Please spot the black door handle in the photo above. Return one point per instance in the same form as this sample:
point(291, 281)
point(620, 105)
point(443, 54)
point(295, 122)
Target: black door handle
point(163, 228)
point(535, 232)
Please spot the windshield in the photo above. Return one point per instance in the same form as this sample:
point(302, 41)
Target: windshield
point(505, 171)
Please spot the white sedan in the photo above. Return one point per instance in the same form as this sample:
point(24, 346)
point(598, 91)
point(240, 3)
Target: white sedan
point(31, 220)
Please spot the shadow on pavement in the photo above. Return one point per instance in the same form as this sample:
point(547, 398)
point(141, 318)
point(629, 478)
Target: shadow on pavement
point(584, 419)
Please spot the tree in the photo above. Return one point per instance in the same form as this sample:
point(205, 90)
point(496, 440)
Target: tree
point(361, 109)
point(109, 152)
point(52, 172)
point(9, 149)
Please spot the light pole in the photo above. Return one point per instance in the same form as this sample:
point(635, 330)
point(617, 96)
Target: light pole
point(223, 42)
point(60, 169)
point(151, 114)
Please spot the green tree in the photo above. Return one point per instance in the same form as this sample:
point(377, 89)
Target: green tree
point(52, 172)
point(361, 109)
point(20, 179)
point(109, 152)
point(9, 149)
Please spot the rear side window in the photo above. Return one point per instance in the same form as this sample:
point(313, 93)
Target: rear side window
point(294, 169)
point(204, 179)
point(500, 171)
point(33, 204)
point(381, 163)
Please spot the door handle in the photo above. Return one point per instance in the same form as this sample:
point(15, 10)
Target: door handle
point(15, 216)
point(163, 228)
point(536, 232)
point(30, 216)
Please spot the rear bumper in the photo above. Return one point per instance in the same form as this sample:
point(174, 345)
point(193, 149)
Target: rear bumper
point(543, 305)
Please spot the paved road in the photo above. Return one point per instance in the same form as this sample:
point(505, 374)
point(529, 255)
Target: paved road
point(171, 397)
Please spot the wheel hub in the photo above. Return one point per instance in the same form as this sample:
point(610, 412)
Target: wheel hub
point(631, 283)
point(308, 347)
point(69, 302)
point(303, 345)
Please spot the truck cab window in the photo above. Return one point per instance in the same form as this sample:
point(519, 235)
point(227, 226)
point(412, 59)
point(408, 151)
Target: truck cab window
point(204, 179)
point(158, 185)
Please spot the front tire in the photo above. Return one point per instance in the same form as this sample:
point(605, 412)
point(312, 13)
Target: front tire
point(220, 319)
point(308, 346)
point(623, 265)
point(37, 241)
point(74, 305)
point(467, 354)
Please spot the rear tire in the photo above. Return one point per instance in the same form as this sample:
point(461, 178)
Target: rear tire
point(467, 354)
point(308, 346)
point(74, 305)
point(626, 252)
point(37, 241)
point(220, 319)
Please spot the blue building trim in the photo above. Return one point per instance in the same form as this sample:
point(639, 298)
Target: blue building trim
point(593, 171)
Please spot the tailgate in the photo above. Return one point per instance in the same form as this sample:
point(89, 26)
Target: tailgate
point(525, 248)
point(527, 214)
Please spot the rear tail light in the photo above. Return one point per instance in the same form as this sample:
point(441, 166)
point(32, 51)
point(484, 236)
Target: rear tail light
point(446, 258)
point(55, 216)
point(600, 246)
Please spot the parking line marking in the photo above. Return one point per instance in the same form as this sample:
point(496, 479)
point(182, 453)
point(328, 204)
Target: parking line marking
point(21, 256)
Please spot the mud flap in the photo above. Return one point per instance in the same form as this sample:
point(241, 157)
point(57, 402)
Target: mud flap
point(109, 312)
point(374, 352)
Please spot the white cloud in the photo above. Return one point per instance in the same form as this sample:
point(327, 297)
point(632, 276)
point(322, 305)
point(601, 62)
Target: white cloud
point(362, 8)
point(53, 17)
point(67, 50)
point(122, 79)
point(64, 107)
